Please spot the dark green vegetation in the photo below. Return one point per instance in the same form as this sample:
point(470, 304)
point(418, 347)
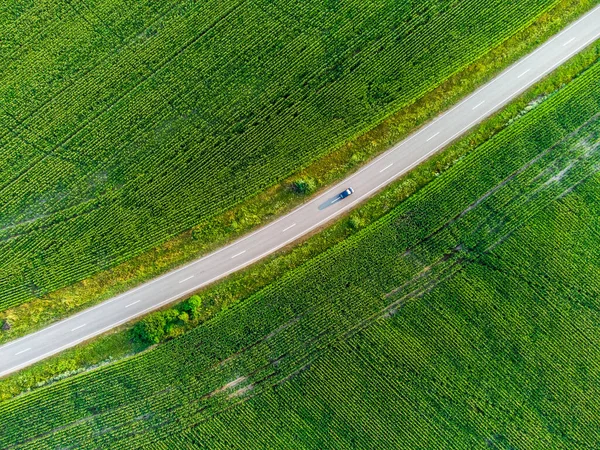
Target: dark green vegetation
point(124, 123)
point(465, 318)
point(161, 324)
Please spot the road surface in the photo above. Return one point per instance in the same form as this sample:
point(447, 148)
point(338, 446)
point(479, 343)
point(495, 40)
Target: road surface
point(372, 177)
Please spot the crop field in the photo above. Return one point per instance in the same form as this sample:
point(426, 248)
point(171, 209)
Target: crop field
point(465, 318)
point(124, 122)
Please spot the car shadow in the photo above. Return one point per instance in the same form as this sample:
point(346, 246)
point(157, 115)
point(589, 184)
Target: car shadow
point(329, 202)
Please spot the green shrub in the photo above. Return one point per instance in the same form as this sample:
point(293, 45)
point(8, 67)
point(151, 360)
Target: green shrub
point(161, 325)
point(183, 317)
point(192, 306)
point(151, 329)
point(304, 186)
point(355, 222)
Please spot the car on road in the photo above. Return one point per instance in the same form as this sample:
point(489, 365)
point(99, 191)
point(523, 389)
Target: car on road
point(346, 193)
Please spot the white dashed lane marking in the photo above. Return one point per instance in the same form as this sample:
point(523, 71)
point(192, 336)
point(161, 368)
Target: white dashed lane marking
point(185, 279)
point(478, 104)
point(432, 136)
point(386, 167)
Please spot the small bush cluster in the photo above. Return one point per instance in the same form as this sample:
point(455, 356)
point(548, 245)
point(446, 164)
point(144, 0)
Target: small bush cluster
point(161, 325)
point(304, 186)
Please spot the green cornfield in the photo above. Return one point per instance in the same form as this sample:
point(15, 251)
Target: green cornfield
point(466, 318)
point(126, 122)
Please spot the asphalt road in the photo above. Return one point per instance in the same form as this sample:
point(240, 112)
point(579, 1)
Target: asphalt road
point(372, 177)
